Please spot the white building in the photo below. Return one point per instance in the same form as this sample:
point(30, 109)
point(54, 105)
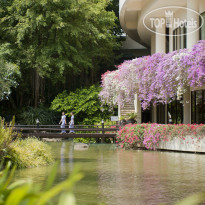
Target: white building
point(134, 15)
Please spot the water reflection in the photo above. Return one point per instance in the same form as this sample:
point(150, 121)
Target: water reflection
point(71, 157)
point(62, 158)
point(143, 177)
point(119, 177)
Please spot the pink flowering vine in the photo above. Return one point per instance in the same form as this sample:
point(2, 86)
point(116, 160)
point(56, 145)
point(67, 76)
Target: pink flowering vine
point(156, 79)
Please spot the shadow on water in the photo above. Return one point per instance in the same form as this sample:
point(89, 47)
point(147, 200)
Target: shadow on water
point(82, 160)
point(119, 177)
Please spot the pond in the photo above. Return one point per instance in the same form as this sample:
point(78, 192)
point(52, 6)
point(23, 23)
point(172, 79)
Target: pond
point(118, 177)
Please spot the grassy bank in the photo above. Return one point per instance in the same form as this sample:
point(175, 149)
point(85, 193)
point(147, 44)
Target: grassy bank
point(28, 152)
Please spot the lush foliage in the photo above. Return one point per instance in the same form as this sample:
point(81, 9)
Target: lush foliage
point(196, 63)
point(58, 45)
point(29, 152)
point(8, 74)
point(6, 137)
point(157, 79)
point(49, 36)
point(24, 153)
point(149, 135)
point(194, 199)
point(85, 140)
point(131, 136)
point(84, 103)
point(44, 115)
point(28, 193)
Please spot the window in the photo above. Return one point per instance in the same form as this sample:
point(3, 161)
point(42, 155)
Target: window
point(175, 112)
point(198, 106)
point(167, 40)
point(202, 29)
point(160, 114)
point(179, 38)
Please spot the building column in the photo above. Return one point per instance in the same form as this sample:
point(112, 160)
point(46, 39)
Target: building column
point(138, 109)
point(153, 44)
point(166, 113)
point(192, 39)
point(160, 47)
point(154, 114)
point(119, 113)
point(170, 39)
point(187, 106)
point(160, 40)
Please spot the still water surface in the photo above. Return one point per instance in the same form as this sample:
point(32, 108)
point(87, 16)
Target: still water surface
point(124, 177)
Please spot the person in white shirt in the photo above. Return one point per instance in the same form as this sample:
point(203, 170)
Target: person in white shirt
point(63, 122)
point(71, 123)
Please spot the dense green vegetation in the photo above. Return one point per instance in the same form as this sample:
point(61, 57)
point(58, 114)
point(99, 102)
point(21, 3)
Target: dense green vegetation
point(27, 193)
point(84, 103)
point(57, 45)
point(46, 116)
point(8, 74)
point(29, 152)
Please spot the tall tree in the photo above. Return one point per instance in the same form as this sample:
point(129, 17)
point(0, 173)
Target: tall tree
point(52, 38)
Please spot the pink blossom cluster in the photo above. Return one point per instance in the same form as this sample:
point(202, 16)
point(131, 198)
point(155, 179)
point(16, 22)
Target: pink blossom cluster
point(110, 86)
point(196, 64)
point(158, 78)
point(133, 136)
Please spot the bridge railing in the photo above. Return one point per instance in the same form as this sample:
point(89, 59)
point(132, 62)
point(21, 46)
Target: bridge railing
point(54, 131)
point(76, 126)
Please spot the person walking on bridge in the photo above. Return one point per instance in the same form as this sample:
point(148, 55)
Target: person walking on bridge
point(63, 122)
point(71, 123)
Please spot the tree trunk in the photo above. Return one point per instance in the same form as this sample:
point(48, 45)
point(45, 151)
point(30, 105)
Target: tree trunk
point(36, 89)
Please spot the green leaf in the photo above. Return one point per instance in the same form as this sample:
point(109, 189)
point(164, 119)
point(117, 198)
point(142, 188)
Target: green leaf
point(17, 195)
point(66, 199)
point(194, 199)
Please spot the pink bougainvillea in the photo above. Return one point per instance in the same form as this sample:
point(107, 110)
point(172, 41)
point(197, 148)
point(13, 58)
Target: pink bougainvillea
point(133, 136)
point(196, 63)
point(110, 85)
point(157, 79)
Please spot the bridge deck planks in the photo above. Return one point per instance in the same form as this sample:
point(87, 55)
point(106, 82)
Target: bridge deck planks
point(60, 129)
point(69, 135)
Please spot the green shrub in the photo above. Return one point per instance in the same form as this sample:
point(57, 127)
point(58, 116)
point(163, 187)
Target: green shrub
point(6, 137)
point(29, 152)
point(28, 193)
point(131, 136)
point(43, 114)
point(85, 140)
point(84, 103)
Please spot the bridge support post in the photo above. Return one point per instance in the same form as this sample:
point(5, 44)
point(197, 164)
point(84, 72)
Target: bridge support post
point(103, 132)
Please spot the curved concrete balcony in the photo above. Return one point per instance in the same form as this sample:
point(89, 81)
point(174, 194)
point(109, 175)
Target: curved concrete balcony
point(132, 13)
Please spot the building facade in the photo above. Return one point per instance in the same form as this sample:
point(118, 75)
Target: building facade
point(169, 37)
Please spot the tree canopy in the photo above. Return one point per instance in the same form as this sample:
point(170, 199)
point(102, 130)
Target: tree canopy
point(58, 36)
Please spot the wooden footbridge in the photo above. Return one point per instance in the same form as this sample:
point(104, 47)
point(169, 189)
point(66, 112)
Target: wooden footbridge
point(81, 131)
